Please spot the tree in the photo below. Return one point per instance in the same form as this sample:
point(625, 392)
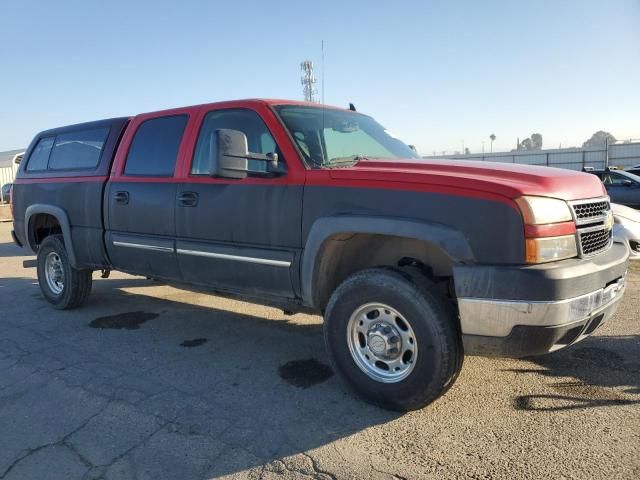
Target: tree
point(525, 144)
point(599, 139)
point(531, 143)
point(466, 151)
point(536, 140)
point(492, 137)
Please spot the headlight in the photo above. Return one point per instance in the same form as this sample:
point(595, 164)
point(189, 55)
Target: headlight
point(550, 231)
point(548, 249)
point(543, 210)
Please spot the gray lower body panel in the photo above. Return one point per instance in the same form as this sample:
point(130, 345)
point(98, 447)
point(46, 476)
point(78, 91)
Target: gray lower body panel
point(527, 310)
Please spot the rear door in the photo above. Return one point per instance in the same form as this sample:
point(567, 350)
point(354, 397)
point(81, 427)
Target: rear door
point(140, 197)
point(239, 235)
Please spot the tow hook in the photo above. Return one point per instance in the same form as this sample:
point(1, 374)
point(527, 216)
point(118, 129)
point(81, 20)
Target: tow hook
point(29, 263)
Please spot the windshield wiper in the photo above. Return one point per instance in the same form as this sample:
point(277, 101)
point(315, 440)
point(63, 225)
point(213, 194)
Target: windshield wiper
point(346, 161)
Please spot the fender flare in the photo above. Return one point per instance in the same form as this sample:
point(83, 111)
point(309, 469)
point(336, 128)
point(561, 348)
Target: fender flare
point(452, 242)
point(63, 220)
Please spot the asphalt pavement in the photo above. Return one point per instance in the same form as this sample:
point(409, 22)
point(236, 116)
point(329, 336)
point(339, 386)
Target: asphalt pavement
point(148, 381)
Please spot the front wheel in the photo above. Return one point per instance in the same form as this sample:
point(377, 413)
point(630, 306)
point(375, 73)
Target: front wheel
point(393, 338)
point(62, 285)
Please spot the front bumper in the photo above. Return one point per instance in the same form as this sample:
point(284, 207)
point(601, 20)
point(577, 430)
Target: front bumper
point(517, 326)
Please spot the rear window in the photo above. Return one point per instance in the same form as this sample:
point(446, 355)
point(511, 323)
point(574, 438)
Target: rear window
point(155, 146)
point(79, 150)
point(75, 150)
point(40, 156)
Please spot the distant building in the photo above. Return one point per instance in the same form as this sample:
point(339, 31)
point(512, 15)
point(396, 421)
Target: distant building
point(6, 158)
point(9, 161)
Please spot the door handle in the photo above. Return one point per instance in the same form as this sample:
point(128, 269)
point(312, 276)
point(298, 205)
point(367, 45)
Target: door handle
point(121, 198)
point(188, 199)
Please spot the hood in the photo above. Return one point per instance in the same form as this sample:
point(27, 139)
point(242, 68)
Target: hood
point(505, 179)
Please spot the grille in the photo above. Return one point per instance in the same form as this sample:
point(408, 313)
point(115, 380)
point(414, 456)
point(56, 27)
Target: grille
point(594, 241)
point(593, 223)
point(591, 210)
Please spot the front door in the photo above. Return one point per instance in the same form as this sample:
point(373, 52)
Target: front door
point(238, 235)
point(141, 201)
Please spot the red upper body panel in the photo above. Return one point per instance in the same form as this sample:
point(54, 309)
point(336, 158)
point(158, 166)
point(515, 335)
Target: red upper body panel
point(504, 179)
point(498, 181)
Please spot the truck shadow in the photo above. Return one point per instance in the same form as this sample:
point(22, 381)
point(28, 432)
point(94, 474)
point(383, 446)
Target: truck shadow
point(10, 249)
point(605, 370)
point(256, 388)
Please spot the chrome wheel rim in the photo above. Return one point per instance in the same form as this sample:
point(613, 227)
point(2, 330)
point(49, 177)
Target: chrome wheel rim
point(382, 342)
point(54, 273)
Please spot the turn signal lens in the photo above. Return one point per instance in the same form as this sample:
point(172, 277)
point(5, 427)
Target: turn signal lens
point(548, 249)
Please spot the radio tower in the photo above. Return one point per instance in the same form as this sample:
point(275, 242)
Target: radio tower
point(308, 82)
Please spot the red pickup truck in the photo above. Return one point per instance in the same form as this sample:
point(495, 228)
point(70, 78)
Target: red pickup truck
point(412, 263)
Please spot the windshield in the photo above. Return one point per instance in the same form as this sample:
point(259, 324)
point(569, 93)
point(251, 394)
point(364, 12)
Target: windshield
point(329, 137)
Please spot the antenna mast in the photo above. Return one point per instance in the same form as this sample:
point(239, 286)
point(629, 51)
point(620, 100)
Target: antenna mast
point(308, 82)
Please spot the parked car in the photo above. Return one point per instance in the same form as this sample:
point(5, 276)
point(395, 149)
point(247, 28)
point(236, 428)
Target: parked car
point(5, 196)
point(623, 187)
point(627, 228)
point(635, 170)
point(413, 263)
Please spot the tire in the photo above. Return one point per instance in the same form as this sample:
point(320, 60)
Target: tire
point(73, 287)
point(427, 357)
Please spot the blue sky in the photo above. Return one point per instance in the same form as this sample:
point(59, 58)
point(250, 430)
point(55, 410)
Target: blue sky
point(436, 73)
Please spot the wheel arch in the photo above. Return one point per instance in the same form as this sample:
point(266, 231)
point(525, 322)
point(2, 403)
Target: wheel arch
point(34, 212)
point(328, 253)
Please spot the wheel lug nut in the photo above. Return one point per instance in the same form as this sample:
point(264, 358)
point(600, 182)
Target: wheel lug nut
point(394, 339)
point(393, 351)
point(386, 329)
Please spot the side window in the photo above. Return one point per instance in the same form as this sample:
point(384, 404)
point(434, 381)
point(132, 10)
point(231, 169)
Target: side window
point(155, 146)
point(79, 150)
point(617, 180)
point(259, 139)
point(40, 156)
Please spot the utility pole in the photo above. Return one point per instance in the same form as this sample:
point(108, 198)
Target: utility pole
point(308, 82)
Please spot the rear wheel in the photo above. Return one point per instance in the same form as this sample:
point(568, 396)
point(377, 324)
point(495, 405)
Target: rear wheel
point(62, 285)
point(393, 338)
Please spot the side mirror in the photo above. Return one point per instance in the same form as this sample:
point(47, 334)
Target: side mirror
point(232, 155)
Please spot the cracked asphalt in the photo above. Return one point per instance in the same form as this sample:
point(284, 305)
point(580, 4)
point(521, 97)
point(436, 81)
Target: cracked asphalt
point(148, 381)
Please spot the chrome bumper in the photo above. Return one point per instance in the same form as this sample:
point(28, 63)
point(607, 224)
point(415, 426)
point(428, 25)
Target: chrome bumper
point(497, 318)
